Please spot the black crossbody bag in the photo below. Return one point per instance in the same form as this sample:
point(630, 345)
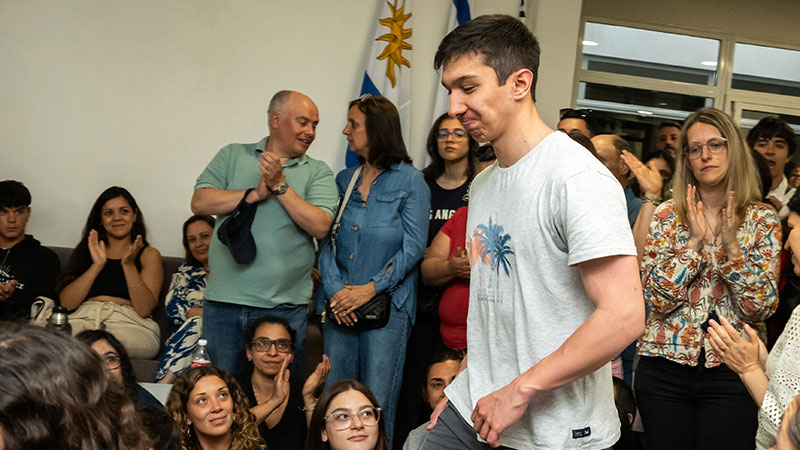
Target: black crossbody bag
point(375, 313)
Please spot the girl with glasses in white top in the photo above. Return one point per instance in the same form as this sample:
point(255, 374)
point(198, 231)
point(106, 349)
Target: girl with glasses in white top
point(347, 417)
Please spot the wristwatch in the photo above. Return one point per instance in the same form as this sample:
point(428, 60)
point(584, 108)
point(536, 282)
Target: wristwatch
point(281, 189)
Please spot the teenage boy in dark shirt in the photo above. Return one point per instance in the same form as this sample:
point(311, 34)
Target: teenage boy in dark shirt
point(27, 269)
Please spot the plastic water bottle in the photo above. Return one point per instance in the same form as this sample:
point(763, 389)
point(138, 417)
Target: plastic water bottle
point(200, 356)
point(59, 320)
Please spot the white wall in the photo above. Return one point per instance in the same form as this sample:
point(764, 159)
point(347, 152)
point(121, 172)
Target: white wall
point(142, 94)
point(556, 24)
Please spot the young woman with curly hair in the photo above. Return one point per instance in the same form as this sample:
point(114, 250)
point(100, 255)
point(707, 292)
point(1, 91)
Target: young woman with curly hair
point(212, 411)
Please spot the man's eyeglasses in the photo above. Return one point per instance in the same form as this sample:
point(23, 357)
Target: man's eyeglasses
point(445, 133)
point(714, 146)
point(112, 362)
point(263, 344)
point(342, 420)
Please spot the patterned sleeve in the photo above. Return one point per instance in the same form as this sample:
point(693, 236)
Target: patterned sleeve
point(668, 265)
point(753, 277)
point(185, 291)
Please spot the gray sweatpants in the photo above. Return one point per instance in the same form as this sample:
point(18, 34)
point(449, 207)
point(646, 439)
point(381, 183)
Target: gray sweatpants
point(452, 432)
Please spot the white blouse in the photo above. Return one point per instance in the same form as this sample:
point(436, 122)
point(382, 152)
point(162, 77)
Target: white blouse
point(783, 371)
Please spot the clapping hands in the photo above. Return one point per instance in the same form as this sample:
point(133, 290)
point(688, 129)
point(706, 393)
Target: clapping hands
point(728, 224)
point(133, 249)
point(97, 250)
point(316, 379)
point(739, 354)
point(701, 232)
point(271, 170)
point(649, 179)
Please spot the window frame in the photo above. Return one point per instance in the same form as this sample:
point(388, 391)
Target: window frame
point(723, 95)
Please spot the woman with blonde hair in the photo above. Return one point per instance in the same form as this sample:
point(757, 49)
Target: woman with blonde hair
point(212, 411)
point(713, 251)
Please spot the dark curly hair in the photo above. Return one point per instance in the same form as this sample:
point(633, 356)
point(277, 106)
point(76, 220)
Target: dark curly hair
point(244, 428)
point(436, 168)
point(55, 394)
point(770, 127)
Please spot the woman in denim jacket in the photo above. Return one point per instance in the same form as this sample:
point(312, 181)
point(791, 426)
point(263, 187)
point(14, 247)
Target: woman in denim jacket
point(380, 240)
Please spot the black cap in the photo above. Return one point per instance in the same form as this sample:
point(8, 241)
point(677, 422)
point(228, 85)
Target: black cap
point(235, 232)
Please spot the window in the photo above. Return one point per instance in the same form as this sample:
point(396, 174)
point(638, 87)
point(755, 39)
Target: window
point(766, 69)
point(633, 78)
point(650, 54)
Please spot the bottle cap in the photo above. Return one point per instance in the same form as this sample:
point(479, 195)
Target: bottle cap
point(202, 342)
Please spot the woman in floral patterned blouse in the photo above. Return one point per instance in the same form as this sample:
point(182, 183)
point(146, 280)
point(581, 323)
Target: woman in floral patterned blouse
point(184, 301)
point(713, 250)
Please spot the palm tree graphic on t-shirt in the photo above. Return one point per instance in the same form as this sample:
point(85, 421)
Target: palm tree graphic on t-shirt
point(492, 244)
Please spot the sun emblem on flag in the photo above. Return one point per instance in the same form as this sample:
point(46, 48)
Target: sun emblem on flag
point(395, 38)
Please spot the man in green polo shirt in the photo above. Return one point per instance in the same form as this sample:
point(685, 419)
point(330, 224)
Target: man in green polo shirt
point(295, 197)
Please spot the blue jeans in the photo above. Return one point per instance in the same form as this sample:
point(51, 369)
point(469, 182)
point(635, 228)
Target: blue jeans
point(373, 357)
point(224, 326)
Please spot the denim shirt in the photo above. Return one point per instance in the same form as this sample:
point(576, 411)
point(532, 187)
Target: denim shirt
point(381, 239)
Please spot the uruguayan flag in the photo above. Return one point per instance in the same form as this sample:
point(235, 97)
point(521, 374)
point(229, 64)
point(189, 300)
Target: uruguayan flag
point(388, 70)
point(459, 14)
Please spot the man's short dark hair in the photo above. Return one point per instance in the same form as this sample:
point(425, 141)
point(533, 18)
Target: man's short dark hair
point(586, 115)
point(770, 127)
point(669, 124)
point(504, 42)
point(14, 194)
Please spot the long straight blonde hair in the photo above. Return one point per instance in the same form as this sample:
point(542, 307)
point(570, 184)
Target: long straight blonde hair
point(740, 175)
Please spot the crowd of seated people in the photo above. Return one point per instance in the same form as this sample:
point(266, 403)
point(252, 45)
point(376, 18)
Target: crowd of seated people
point(707, 226)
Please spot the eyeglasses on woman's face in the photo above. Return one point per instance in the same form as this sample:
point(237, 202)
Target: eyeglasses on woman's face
point(445, 133)
point(714, 146)
point(112, 362)
point(343, 419)
point(263, 345)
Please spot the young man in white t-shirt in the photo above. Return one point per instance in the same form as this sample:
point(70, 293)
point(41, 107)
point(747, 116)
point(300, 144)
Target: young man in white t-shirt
point(554, 290)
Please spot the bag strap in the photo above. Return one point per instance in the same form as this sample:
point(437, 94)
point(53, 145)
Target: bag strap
point(342, 205)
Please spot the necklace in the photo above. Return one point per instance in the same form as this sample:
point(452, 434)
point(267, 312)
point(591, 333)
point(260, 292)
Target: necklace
point(255, 391)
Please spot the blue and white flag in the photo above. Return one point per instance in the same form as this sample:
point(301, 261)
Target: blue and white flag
point(388, 70)
point(459, 14)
